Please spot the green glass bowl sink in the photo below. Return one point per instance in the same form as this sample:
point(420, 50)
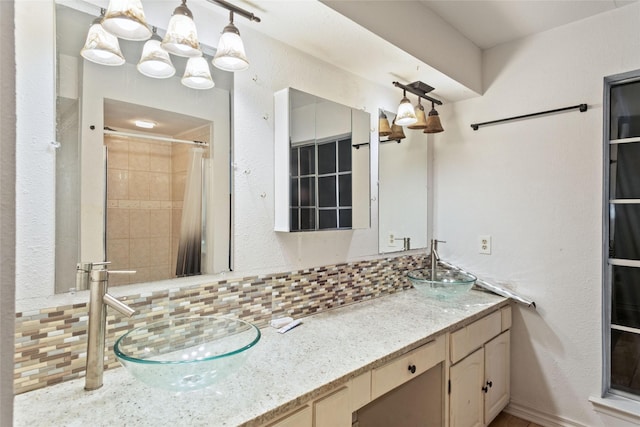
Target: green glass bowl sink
point(446, 284)
point(186, 353)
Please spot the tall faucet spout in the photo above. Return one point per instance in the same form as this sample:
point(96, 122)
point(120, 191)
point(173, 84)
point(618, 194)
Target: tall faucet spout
point(99, 299)
point(434, 257)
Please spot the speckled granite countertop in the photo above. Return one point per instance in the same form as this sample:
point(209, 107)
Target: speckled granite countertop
point(282, 371)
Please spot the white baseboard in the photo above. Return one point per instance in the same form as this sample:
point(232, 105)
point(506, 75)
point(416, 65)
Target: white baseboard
point(535, 416)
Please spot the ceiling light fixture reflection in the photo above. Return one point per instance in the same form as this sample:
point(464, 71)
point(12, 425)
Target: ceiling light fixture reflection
point(125, 19)
point(101, 47)
point(145, 124)
point(230, 55)
point(383, 125)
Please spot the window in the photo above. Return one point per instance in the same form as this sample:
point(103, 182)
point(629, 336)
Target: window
point(622, 235)
point(320, 181)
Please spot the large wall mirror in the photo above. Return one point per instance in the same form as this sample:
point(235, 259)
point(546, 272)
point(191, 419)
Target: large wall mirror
point(403, 190)
point(157, 200)
point(322, 164)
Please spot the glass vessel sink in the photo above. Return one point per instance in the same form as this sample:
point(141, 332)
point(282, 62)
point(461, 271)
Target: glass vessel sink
point(447, 283)
point(187, 353)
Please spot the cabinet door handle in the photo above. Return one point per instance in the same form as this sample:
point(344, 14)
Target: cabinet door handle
point(490, 384)
point(485, 389)
point(412, 369)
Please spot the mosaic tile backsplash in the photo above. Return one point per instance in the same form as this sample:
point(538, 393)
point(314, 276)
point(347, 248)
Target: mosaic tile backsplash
point(50, 344)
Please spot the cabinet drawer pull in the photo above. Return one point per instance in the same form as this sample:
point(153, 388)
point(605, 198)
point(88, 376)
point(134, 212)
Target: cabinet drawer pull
point(490, 384)
point(485, 389)
point(412, 369)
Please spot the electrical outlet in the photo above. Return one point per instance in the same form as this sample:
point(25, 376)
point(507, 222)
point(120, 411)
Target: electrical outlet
point(484, 244)
point(392, 240)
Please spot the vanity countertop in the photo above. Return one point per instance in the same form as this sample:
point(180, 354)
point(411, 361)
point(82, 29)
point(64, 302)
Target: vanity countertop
point(281, 372)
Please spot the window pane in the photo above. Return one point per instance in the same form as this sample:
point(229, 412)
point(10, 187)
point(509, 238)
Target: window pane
point(625, 98)
point(327, 191)
point(624, 174)
point(344, 155)
point(345, 189)
point(624, 231)
point(625, 355)
point(345, 218)
point(307, 192)
point(307, 160)
point(307, 219)
point(294, 220)
point(327, 158)
point(328, 218)
point(625, 296)
point(293, 162)
point(295, 201)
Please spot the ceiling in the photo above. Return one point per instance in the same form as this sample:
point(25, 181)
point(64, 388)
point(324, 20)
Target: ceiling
point(488, 23)
point(316, 28)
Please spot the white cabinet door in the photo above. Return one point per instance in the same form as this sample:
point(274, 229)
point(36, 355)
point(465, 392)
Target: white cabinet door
point(496, 362)
point(333, 410)
point(466, 405)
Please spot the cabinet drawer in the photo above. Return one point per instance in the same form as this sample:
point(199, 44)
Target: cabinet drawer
point(406, 367)
point(473, 336)
point(333, 410)
point(506, 318)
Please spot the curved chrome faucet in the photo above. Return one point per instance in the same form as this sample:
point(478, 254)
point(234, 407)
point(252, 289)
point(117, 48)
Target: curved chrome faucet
point(96, 276)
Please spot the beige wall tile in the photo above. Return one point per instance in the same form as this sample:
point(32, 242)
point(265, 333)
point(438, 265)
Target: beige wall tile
point(160, 223)
point(177, 186)
point(118, 153)
point(160, 158)
point(118, 253)
point(139, 223)
point(159, 186)
point(140, 255)
point(117, 184)
point(139, 185)
point(139, 156)
point(160, 251)
point(117, 223)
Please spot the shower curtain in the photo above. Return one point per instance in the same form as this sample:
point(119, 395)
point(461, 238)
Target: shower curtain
point(190, 243)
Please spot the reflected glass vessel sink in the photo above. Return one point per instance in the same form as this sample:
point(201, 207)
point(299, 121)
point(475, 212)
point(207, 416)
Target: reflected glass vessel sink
point(446, 284)
point(186, 353)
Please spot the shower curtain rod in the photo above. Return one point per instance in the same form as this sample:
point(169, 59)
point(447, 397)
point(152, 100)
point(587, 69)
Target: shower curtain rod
point(156, 138)
point(581, 107)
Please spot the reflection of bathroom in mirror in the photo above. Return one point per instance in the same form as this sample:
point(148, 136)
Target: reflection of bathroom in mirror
point(403, 192)
point(130, 195)
point(322, 164)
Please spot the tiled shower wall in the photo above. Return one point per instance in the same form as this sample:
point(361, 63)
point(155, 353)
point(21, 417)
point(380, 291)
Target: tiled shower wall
point(50, 344)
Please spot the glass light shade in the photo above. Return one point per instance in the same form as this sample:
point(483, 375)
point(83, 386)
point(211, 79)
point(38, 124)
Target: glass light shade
point(397, 133)
point(102, 47)
point(433, 122)
point(383, 125)
point(197, 74)
point(125, 19)
point(406, 114)
point(421, 116)
point(230, 55)
point(182, 38)
point(155, 61)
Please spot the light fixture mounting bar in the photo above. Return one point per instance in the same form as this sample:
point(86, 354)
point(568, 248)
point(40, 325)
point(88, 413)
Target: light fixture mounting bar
point(235, 9)
point(419, 89)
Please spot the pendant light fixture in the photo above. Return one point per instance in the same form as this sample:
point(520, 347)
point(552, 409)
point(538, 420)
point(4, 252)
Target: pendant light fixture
point(406, 114)
point(433, 122)
point(421, 116)
point(182, 38)
point(155, 61)
point(230, 55)
point(397, 133)
point(125, 19)
point(383, 125)
point(101, 47)
point(197, 74)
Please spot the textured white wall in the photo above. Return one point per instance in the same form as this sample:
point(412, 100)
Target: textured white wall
point(535, 186)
